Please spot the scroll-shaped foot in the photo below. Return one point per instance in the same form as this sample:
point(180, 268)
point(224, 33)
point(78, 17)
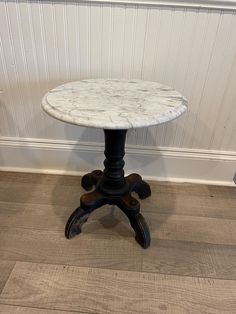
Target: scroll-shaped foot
point(141, 229)
point(75, 222)
point(143, 189)
point(139, 186)
point(89, 180)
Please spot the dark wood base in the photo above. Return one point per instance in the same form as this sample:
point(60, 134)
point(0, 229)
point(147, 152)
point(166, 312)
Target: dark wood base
point(111, 187)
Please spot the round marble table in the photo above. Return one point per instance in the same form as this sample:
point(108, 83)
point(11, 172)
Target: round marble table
point(115, 106)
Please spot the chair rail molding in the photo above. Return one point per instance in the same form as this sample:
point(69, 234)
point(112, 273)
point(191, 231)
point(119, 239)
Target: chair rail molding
point(207, 4)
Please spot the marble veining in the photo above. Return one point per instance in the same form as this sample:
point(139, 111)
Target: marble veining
point(114, 104)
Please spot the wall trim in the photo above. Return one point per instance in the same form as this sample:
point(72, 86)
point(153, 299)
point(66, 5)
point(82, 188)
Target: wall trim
point(200, 4)
point(76, 158)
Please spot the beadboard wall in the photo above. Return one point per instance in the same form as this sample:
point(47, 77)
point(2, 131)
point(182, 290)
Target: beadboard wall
point(44, 44)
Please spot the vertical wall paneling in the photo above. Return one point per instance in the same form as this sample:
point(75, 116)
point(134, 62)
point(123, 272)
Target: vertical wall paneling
point(11, 77)
point(43, 44)
point(225, 105)
point(216, 80)
point(197, 96)
point(186, 76)
point(225, 131)
point(7, 126)
point(118, 44)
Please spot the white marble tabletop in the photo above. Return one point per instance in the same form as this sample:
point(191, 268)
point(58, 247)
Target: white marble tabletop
point(114, 104)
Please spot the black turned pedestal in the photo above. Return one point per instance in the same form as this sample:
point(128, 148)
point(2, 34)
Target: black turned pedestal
point(112, 187)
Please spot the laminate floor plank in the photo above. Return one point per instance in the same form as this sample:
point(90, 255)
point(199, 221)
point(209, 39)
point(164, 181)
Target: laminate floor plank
point(40, 194)
point(218, 206)
point(38, 216)
point(159, 203)
point(190, 259)
point(111, 221)
point(29, 199)
point(5, 270)
point(193, 229)
point(54, 218)
point(92, 250)
point(202, 206)
point(166, 227)
point(161, 187)
point(39, 178)
point(195, 189)
point(120, 292)
point(119, 251)
point(10, 309)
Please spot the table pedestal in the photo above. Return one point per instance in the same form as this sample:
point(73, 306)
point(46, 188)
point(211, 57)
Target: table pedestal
point(112, 187)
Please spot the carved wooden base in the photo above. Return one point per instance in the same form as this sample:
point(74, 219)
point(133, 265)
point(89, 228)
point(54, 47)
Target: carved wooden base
point(112, 187)
point(127, 203)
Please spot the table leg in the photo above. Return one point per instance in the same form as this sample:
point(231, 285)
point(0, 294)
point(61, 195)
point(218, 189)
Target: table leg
point(112, 187)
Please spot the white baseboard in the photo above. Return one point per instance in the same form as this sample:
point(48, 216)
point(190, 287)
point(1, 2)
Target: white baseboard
point(73, 158)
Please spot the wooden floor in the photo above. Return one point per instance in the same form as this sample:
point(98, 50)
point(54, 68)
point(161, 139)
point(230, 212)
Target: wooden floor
point(189, 268)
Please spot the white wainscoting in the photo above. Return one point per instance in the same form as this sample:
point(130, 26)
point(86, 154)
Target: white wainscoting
point(44, 44)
